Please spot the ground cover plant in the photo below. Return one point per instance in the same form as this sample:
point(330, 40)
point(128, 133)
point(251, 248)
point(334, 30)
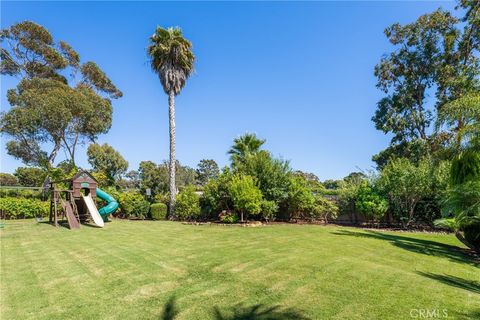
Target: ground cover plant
point(166, 270)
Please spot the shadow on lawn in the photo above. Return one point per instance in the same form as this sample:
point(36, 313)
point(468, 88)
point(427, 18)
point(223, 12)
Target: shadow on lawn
point(427, 247)
point(454, 281)
point(239, 312)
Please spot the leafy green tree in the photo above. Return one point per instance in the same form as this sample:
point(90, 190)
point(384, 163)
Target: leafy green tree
point(325, 208)
point(246, 197)
point(301, 200)
point(271, 175)
point(156, 176)
point(207, 169)
point(104, 158)
point(405, 184)
point(153, 177)
point(216, 197)
point(188, 204)
point(348, 191)
point(7, 179)
point(331, 184)
point(30, 176)
point(172, 59)
point(131, 180)
point(370, 203)
point(244, 145)
point(59, 101)
point(406, 75)
point(437, 53)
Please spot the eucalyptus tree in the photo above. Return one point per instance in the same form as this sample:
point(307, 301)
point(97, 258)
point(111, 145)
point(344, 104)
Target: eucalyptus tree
point(437, 53)
point(58, 103)
point(172, 59)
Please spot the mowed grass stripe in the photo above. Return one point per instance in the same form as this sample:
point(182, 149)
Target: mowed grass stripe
point(132, 269)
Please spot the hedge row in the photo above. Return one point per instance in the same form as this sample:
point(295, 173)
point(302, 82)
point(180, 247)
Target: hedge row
point(22, 208)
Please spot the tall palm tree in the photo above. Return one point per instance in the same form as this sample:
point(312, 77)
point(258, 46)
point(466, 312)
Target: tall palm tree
point(244, 145)
point(172, 59)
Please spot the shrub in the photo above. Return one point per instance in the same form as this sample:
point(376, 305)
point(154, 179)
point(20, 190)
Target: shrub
point(216, 197)
point(229, 217)
point(132, 204)
point(325, 209)
point(472, 235)
point(30, 176)
point(301, 200)
point(158, 211)
point(7, 179)
point(162, 198)
point(187, 205)
point(246, 197)
point(19, 193)
point(17, 208)
point(370, 203)
point(269, 208)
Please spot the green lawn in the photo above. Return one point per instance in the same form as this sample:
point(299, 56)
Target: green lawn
point(161, 270)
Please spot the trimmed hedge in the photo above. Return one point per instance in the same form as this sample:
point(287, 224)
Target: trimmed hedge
point(158, 211)
point(21, 208)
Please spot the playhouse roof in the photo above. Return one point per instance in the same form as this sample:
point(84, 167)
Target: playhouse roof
point(81, 172)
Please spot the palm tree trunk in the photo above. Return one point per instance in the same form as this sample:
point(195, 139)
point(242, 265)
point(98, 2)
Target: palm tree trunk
point(173, 190)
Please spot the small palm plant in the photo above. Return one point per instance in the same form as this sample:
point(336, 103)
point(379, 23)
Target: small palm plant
point(172, 59)
point(243, 146)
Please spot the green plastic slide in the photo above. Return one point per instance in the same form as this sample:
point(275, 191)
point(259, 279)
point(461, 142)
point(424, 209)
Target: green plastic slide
point(111, 206)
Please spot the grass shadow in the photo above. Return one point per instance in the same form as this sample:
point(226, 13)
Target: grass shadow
point(258, 312)
point(239, 312)
point(469, 285)
point(170, 310)
point(428, 247)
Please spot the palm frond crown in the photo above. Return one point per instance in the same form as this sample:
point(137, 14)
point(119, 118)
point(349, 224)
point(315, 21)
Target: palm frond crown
point(171, 57)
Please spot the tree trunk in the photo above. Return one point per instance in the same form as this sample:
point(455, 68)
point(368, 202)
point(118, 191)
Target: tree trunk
point(53, 154)
point(173, 190)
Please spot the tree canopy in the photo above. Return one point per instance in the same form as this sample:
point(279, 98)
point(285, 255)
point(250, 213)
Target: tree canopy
point(59, 102)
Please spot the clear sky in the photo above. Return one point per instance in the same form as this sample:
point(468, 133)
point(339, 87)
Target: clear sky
point(298, 74)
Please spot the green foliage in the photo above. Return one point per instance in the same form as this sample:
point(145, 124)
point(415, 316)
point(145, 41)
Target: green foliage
point(216, 196)
point(30, 176)
point(462, 117)
point(229, 218)
point(21, 193)
point(243, 146)
point(158, 211)
point(301, 200)
point(432, 54)
point(269, 209)
point(271, 175)
point(324, 208)
point(245, 195)
point(370, 203)
point(16, 208)
point(7, 179)
point(465, 167)
point(207, 169)
point(49, 109)
point(106, 160)
point(471, 233)
point(155, 176)
point(132, 204)
point(171, 57)
point(405, 184)
point(187, 205)
point(331, 184)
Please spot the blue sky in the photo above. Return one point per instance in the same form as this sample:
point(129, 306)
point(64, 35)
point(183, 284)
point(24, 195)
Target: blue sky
point(298, 74)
